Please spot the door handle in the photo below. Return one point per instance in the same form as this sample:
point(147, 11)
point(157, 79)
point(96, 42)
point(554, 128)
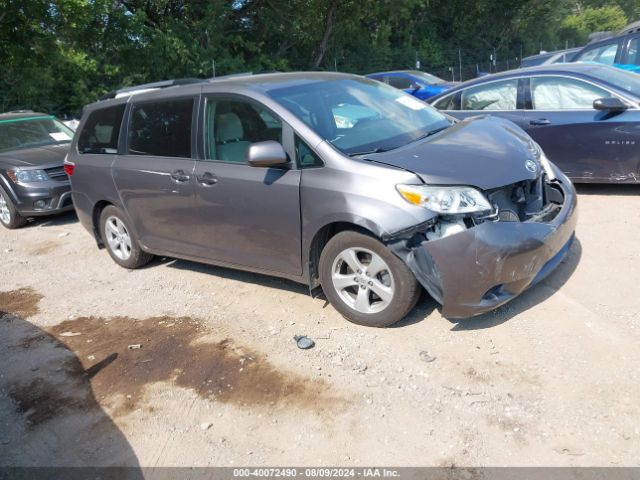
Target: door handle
point(207, 179)
point(179, 176)
point(540, 121)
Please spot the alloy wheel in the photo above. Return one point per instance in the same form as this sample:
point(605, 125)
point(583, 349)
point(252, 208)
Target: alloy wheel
point(118, 238)
point(363, 280)
point(5, 213)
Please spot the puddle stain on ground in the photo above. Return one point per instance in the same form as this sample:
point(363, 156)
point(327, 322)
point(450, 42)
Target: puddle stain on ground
point(43, 248)
point(22, 302)
point(181, 351)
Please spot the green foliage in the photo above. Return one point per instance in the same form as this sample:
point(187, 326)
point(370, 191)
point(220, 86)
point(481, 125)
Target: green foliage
point(57, 56)
point(580, 24)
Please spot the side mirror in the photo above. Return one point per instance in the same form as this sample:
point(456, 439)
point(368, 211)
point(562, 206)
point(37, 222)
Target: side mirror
point(266, 154)
point(610, 104)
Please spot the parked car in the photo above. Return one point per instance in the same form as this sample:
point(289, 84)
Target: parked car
point(622, 50)
point(32, 177)
point(585, 117)
point(419, 84)
point(548, 58)
point(257, 173)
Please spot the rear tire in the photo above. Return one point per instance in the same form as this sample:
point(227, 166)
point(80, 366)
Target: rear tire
point(9, 216)
point(120, 241)
point(365, 282)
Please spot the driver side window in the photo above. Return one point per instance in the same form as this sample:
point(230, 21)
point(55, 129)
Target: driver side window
point(502, 95)
point(233, 124)
point(560, 93)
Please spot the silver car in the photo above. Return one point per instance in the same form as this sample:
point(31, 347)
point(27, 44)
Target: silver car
point(331, 180)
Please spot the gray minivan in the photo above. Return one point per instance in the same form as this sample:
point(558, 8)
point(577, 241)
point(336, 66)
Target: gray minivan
point(328, 179)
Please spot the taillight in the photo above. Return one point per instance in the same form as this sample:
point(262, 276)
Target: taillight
point(69, 167)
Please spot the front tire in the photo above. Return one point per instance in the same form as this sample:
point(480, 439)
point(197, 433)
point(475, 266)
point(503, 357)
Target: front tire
point(120, 240)
point(365, 282)
point(9, 216)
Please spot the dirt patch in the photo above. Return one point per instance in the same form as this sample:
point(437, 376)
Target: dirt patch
point(22, 302)
point(44, 248)
point(179, 350)
point(474, 374)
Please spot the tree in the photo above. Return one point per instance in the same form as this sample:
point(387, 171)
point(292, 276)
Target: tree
point(583, 22)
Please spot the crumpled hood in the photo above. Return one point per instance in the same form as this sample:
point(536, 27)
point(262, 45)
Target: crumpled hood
point(32, 157)
point(485, 152)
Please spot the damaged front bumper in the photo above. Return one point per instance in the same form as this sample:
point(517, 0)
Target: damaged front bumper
point(483, 267)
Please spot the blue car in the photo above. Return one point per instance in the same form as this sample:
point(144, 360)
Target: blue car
point(419, 84)
point(585, 117)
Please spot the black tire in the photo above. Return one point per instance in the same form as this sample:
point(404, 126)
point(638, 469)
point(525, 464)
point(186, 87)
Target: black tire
point(15, 219)
point(136, 256)
point(406, 290)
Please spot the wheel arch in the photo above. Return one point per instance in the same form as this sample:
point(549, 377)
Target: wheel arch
point(6, 186)
point(95, 220)
point(325, 233)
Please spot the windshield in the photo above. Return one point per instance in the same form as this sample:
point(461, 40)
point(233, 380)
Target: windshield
point(29, 132)
point(358, 115)
point(627, 81)
point(427, 77)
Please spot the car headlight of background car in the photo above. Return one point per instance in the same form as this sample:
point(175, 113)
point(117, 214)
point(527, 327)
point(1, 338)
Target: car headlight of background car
point(446, 200)
point(28, 176)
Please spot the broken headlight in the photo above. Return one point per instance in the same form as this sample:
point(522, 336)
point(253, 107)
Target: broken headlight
point(446, 200)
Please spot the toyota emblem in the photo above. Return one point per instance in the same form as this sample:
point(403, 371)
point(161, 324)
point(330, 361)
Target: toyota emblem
point(531, 166)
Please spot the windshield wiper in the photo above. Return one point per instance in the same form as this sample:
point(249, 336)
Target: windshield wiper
point(369, 152)
point(431, 132)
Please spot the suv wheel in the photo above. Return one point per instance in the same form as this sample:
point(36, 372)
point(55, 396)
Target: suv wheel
point(365, 282)
point(9, 216)
point(120, 241)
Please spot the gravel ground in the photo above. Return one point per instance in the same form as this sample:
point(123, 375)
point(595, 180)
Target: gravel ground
point(552, 378)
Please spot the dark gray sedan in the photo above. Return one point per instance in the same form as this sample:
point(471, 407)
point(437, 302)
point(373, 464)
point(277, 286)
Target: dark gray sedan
point(32, 177)
point(586, 117)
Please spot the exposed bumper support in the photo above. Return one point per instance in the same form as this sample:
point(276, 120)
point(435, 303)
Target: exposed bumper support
point(477, 270)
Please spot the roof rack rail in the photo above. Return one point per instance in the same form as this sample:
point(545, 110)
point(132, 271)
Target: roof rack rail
point(21, 110)
point(147, 87)
point(229, 75)
point(241, 74)
point(631, 28)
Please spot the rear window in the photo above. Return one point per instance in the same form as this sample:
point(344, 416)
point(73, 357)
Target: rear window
point(161, 129)
point(101, 130)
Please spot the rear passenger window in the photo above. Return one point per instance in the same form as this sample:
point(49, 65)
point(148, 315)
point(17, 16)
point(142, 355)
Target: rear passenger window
point(500, 95)
point(100, 132)
point(161, 129)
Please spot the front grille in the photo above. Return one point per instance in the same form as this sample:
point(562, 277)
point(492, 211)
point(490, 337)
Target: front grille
point(57, 173)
